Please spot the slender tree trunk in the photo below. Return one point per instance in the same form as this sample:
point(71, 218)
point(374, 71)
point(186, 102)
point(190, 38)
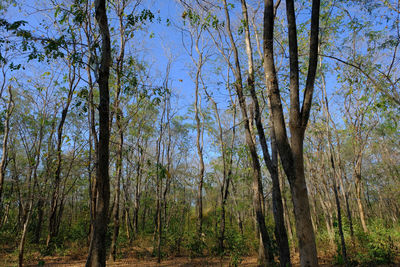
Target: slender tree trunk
point(55, 199)
point(97, 250)
point(119, 120)
point(272, 164)
point(118, 164)
point(358, 183)
point(336, 175)
point(349, 217)
point(137, 189)
point(38, 228)
point(265, 252)
point(340, 174)
point(199, 145)
point(31, 191)
point(21, 245)
point(227, 169)
point(4, 156)
point(158, 221)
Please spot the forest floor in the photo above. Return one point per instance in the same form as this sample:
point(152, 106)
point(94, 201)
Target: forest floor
point(170, 262)
point(136, 256)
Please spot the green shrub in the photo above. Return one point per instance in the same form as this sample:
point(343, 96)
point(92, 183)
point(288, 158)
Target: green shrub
point(377, 246)
point(195, 245)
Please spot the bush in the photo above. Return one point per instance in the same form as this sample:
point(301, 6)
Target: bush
point(195, 245)
point(237, 247)
point(377, 246)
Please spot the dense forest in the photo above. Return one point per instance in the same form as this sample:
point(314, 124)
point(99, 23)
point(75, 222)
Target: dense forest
point(225, 131)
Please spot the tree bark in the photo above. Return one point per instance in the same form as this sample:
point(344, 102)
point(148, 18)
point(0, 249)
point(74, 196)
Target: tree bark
point(97, 250)
point(291, 154)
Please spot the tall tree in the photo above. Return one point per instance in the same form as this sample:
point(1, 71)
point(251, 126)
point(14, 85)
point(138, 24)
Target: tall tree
point(97, 249)
point(4, 156)
point(271, 161)
point(291, 152)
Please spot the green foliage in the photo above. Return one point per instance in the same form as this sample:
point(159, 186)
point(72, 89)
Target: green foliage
point(377, 246)
point(144, 16)
point(195, 245)
point(237, 247)
point(78, 231)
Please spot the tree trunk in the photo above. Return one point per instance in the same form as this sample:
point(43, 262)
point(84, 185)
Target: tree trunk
point(21, 245)
point(119, 120)
point(358, 183)
point(4, 156)
point(199, 145)
point(38, 228)
point(291, 154)
point(118, 167)
point(137, 190)
point(97, 250)
point(336, 175)
point(55, 205)
point(265, 252)
point(272, 164)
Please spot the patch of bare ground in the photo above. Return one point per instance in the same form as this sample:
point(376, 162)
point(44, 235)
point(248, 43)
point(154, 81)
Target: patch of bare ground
point(141, 257)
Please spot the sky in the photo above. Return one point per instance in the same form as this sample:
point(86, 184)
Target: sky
point(160, 43)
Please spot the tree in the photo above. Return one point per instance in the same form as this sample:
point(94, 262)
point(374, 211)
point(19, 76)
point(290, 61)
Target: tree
point(271, 161)
point(97, 250)
point(4, 156)
point(291, 153)
point(265, 252)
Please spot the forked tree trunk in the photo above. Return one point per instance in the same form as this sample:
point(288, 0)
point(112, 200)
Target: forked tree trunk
point(291, 153)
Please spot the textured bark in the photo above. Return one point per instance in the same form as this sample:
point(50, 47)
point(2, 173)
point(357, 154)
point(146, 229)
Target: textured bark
point(291, 153)
point(97, 250)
